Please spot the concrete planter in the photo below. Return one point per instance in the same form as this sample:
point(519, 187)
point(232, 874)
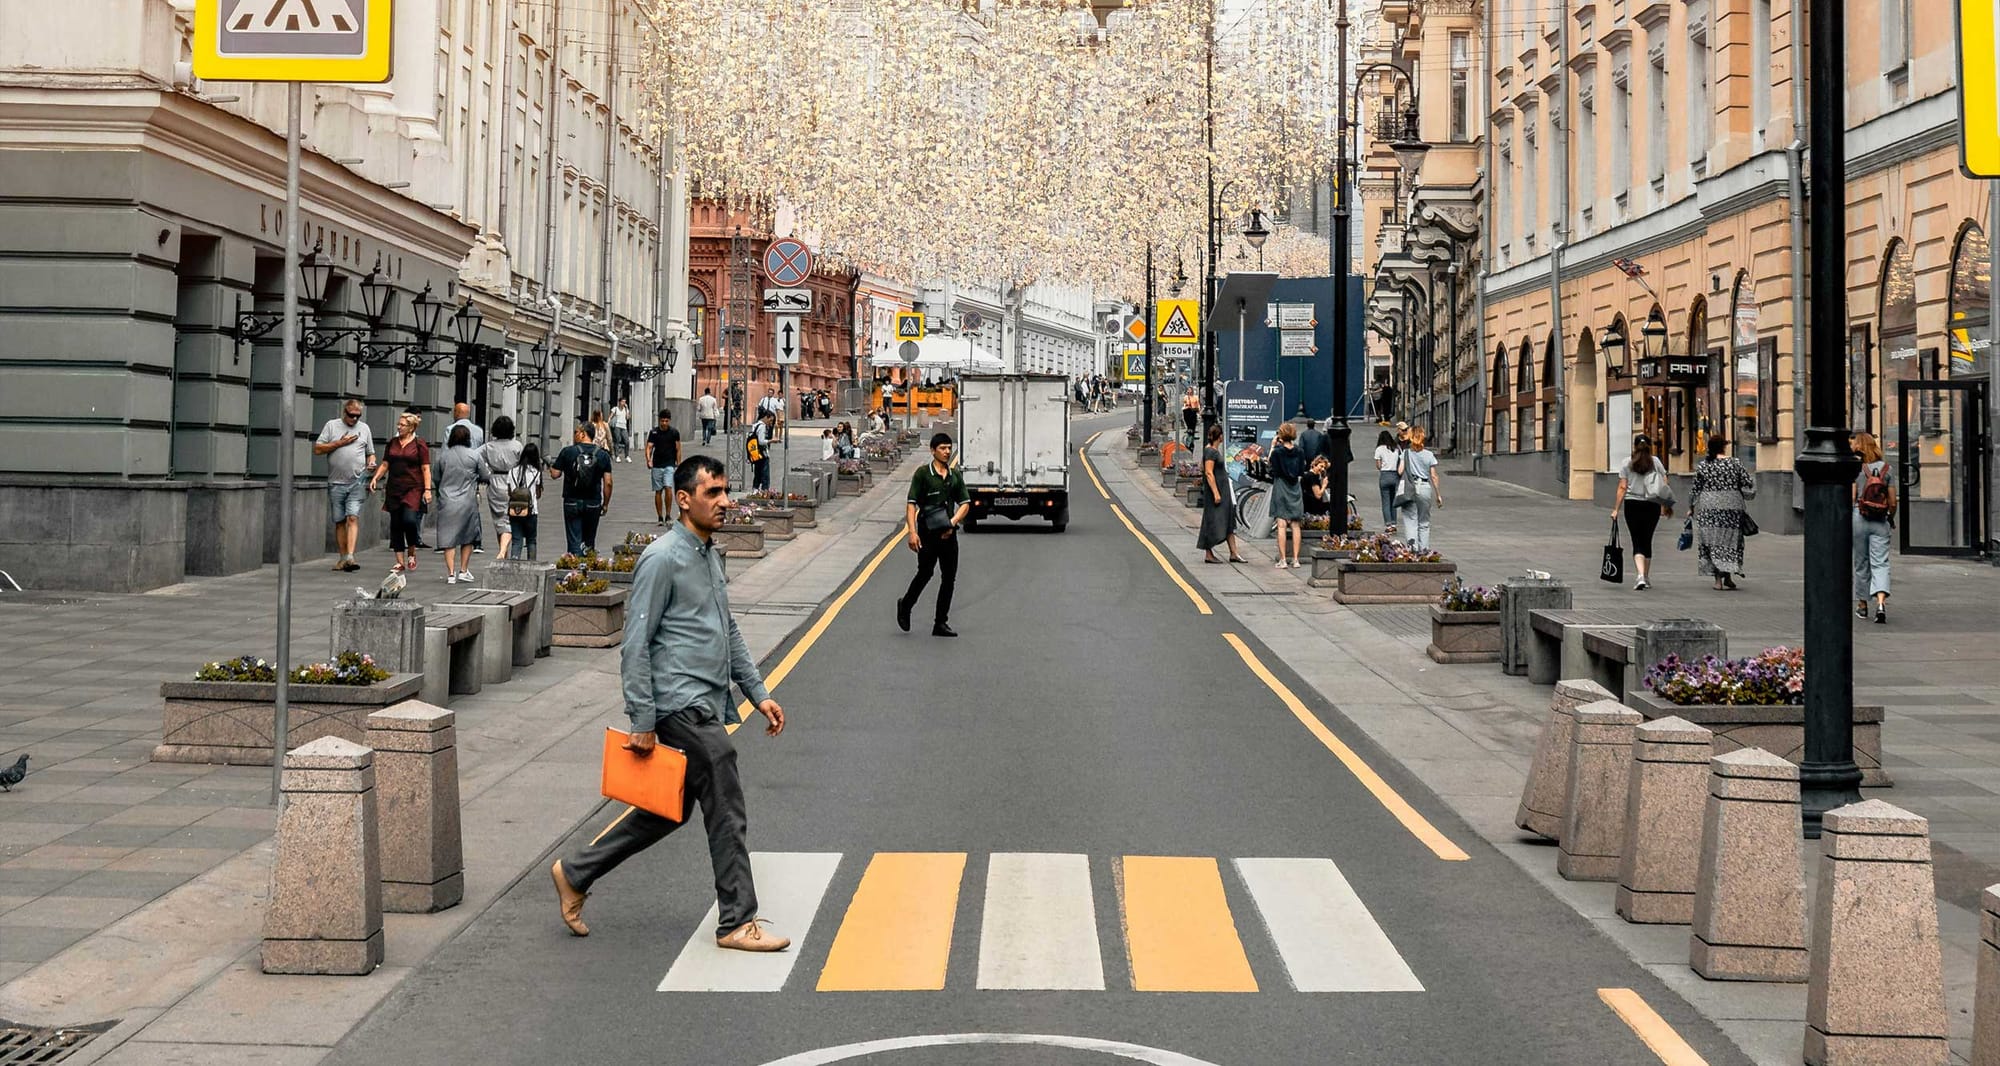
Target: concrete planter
point(1361, 583)
point(1168, 477)
point(590, 619)
point(1323, 573)
point(743, 541)
point(1464, 636)
point(850, 484)
point(1778, 730)
point(1191, 494)
point(777, 524)
point(802, 515)
point(232, 721)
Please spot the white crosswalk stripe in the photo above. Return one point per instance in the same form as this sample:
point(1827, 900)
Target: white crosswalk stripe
point(1040, 925)
point(789, 888)
point(1324, 933)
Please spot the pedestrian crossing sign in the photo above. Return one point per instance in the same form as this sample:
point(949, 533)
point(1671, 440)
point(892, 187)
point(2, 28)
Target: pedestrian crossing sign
point(293, 40)
point(1135, 364)
point(909, 325)
point(1177, 321)
point(1979, 88)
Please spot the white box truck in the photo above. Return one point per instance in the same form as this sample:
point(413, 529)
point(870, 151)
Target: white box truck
point(1014, 446)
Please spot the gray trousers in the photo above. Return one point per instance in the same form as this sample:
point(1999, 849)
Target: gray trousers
point(713, 783)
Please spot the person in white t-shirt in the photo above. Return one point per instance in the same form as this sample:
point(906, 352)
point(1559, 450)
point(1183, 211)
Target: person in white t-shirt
point(707, 410)
point(1385, 463)
point(349, 446)
point(621, 431)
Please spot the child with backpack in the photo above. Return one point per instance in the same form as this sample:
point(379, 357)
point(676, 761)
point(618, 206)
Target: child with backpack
point(1874, 513)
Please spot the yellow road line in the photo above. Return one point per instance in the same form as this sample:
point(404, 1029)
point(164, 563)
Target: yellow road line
point(1419, 826)
point(1652, 1029)
point(1193, 596)
point(896, 936)
point(791, 659)
point(1178, 928)
point(1088, 469)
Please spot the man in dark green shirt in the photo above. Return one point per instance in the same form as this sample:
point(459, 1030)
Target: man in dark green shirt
point(938, 503)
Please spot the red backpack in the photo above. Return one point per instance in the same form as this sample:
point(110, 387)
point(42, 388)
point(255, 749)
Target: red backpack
point(1876, 501)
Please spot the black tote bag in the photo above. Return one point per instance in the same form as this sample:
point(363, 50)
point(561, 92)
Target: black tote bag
point(1613, 569)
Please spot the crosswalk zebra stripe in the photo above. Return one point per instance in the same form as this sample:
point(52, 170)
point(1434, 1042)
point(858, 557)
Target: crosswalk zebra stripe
point(790, 886)
point(896, 936)
point(1178, 928)
point(1039, 931)
point(1324, 933)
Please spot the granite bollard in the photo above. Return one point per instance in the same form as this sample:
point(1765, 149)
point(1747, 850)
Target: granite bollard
point(1750, 900)
point(1593, 832)
point(520, 575)
point(1518, 596)
point(1986, 998)
point(1542, 798)
point(416, 780)
point(1664, 796)
point(390, 631)
point(1876, 991)
point(325, 911)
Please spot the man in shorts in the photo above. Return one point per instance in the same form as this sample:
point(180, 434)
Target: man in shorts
point(349, 446)
point(663, 453)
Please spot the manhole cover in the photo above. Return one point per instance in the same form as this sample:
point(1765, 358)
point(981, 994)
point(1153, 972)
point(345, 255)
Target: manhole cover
point(21, 1045)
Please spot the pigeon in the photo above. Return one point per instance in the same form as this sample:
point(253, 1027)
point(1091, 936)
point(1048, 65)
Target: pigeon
point(12, 775)
point(392, 586)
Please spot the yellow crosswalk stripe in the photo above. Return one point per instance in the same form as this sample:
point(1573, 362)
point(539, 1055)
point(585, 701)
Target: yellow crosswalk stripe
point(1178, 929)
point(896, 936)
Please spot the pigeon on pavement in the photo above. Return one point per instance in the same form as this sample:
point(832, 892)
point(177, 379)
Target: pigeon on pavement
point(12, 775)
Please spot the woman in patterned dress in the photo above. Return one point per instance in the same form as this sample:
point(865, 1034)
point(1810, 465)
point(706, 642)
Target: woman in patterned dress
point(1721, 489)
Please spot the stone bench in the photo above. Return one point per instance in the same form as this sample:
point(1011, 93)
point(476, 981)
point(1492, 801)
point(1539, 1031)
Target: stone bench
point(454, 653)
point(509, 612)
point(1556, 651)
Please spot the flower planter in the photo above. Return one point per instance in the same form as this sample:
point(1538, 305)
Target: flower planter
point(1183, 484)
point(850, 484)
point(1192, 494)
point(590, 619)
point(882, 467)
point(232, 721)
point(1464, 636)
point(1168, 477)
point(741, 540)
point(777, 524)
point(1779, 730)
point(1361, 583)
point(1323, 576)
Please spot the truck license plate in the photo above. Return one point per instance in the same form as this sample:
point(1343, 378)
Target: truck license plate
point(1010, 501)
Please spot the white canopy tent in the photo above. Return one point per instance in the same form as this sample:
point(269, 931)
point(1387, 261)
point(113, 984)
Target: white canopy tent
point(941, 354)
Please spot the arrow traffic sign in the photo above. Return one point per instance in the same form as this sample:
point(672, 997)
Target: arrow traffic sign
point(788, 262)
point(789, 339)
point(1179, 321)
point(909, 325)
point(292, 40)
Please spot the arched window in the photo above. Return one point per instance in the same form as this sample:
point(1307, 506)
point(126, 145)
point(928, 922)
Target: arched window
point(1525, 382)
point(1971, 324)
point(1745, 373)
point(1524, 388)
point(1551, 414)
point(1896, 340)
point(697, 322)
point(1501, 383)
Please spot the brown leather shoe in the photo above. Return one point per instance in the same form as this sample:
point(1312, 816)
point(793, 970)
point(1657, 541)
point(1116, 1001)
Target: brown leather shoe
point(750, 936)
point(571, 901)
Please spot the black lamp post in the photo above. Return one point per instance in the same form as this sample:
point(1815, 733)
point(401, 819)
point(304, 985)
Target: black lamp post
point(1828, 777)
point(1257, 233)
point(315, 274)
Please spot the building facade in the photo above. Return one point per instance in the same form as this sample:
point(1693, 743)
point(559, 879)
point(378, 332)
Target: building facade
point(1679, 224)
point(141, 264)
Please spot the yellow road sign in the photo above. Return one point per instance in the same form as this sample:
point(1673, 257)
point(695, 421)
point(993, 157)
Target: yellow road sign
point(909, 326)
point(293, 40)
point(1177, 321)
point(1978, 89)
point(1135, 364)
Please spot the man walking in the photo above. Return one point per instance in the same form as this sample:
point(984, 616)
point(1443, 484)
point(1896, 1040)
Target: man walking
point(759, 447)
point(621, 431)
point(938, 504)
point(663, 453)
point(349, 446)
point(1314, 444)
point(707, 410)
point(682, 651)
point(585, 471)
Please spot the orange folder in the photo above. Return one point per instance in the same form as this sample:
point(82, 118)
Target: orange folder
point(653, 783)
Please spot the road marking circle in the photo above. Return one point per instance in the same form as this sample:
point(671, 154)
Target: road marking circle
point(849, 1052)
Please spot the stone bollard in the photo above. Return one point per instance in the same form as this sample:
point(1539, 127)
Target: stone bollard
point(1750, 901)
point(416, 776)
point(390, 630)
point(1664, 796)
point(519, 575)
point(1986, 1000)
point(1593, 831)
point(1877, 984)
point(325, 911)
point(1518, 596)
point(1542, 798)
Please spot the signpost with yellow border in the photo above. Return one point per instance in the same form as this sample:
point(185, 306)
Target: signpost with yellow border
point(293, 40)
point(909, 325)
point(1177, 321)
point(1978, 89)
point(1135, 364)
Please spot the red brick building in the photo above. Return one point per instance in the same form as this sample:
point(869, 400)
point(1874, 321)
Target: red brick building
point(828, 345)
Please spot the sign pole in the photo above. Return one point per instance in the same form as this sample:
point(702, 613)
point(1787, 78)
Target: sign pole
point(288, 385)
point(785, 445)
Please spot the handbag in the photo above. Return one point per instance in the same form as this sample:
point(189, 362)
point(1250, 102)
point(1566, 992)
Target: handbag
point(654, 783)
point(1687, 536)
point(1613, 569)
point(935, 519)
point(1749, 525)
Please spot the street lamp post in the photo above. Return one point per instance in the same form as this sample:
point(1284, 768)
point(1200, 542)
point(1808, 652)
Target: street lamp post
point(1828, 777)
point(1146, 398)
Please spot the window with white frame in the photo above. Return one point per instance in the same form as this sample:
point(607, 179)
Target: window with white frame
point(1656, 109)
point(1897, 19)
point(1461, 87)
point(1760, 71)
point(1531, 165)
point(1586, 152)
point(1621, 126)
point(1700, 75)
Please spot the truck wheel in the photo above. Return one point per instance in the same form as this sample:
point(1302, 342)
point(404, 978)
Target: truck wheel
point(969, 524)
point(1061, 520)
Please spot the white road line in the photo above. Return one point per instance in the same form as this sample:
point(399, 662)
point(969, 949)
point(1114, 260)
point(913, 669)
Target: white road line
point(1040, 927)
point(1325, 935)
point(790, 886)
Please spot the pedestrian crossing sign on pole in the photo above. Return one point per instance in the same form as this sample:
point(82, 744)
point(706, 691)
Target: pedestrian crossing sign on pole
point(1978, 86)
point(1135, 364)
point(1177, 321)
point(909, 325)
point(293, 40)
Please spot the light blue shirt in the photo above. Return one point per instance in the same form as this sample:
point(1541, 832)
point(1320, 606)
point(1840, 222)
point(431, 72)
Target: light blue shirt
point(682, 648)
point(478, 435)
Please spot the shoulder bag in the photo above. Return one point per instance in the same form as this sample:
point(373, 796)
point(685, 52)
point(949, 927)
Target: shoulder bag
point(1613, 569)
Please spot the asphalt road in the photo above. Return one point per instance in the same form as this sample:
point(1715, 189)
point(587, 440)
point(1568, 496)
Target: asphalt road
point(1086, 818)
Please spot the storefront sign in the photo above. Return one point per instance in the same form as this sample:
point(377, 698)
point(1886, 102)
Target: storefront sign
point(1684, 370)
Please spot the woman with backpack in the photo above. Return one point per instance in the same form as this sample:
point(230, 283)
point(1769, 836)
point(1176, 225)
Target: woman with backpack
point(1874, 511)
point(1643, 494)
point(1721, 513)
point(524, 505)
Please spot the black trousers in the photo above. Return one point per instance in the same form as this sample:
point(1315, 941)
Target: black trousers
point(712, 782)
point(935, 552)
point(1642, 517)
point(406, 526)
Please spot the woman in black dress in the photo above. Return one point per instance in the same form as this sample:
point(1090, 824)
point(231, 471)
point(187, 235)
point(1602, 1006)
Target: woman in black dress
point(1218, 502)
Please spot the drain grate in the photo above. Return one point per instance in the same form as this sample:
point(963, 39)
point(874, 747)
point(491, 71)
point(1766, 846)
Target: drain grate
point(779, 608)
point(29, 1045)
